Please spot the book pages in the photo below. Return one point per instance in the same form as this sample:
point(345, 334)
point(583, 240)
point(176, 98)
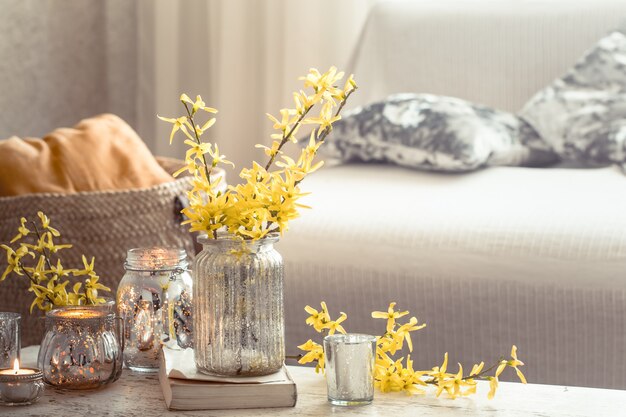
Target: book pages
point(180, 364)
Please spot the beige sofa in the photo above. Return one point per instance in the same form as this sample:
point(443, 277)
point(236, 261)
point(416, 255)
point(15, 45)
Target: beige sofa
point(533, 257)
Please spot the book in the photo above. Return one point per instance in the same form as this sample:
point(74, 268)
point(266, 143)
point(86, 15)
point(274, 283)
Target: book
point(184, 388)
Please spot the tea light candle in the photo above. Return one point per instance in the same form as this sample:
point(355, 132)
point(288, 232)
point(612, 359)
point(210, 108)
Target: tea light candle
point(20, 386)
point(17, 370)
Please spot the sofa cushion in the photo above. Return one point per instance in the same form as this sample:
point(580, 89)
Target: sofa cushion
point(435, 133)
point(582, 115)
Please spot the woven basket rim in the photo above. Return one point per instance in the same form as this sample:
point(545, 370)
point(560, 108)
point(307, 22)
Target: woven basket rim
point(164, 186)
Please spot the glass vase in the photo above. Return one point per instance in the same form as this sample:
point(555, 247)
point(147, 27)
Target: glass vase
point(238, 307)
point(81, 348)
point(154, 299)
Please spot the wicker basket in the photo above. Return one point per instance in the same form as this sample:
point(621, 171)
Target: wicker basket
point(101, 224)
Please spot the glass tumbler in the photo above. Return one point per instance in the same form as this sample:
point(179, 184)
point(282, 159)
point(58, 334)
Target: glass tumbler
point(9, 339)
point(350, 360)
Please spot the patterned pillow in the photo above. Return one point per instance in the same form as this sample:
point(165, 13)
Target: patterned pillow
point(435, 133)
point(583, 114)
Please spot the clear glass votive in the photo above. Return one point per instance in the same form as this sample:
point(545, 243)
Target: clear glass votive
point(9, 339)
point(350, 360)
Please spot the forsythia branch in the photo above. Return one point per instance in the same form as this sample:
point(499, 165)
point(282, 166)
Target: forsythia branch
point(267, 200)
point(286, 137)
point(48, 280)
point(399, 375)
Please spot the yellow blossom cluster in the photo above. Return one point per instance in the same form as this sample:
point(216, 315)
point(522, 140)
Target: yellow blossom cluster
point(394, 375)
point(453, 383)
point(390, 375)
point(267, 199)
point(49, 279)
point(321, 322)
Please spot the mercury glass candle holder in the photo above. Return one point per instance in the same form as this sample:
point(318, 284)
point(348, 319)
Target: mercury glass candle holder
point(154, 299)
point(350, 361)
point(9, 338)
point(20, 386)
point(81, 348)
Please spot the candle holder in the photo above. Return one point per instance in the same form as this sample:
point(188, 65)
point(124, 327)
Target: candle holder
point(350, 360)
point(82, 347)
point(9, 338)
point(154, 300)
point(20, 386)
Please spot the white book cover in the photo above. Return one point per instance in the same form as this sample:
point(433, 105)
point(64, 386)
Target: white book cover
point(185, 388)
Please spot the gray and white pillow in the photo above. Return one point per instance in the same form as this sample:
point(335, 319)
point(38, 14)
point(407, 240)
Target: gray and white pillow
point(583, 114)
point(435, 133)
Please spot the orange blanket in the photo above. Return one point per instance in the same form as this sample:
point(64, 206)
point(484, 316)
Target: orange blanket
point(100, 153)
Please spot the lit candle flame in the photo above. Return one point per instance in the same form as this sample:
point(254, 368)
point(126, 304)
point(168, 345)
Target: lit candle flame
point(16, 366)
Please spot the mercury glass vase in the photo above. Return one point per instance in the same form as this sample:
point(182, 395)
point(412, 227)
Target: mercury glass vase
point(238, 307)
point(81, 348)
point(154, 299)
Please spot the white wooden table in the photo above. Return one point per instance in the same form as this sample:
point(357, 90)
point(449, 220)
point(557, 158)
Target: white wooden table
point(139, 395)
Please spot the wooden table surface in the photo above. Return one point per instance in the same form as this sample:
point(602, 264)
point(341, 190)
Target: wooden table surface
point(139, 395)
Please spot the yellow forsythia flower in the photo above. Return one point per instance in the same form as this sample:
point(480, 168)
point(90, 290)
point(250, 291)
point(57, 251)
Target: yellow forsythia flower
point(391, 315)
point(493, 386)
point(267, 200)
point(335, 326)
point(48, 280)
point(315, 353)
point(514, 363)
point(398, 375)
point(317, 319)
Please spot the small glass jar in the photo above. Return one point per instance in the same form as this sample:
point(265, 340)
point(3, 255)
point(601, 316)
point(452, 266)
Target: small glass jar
point(154, 300)
point(238, 307)
point(350, 361)
point(82, 347)
point(9, 338)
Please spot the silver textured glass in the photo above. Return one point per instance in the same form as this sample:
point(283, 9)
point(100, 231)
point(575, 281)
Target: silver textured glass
point(20, 389)
point(238, 307)
point(154, 299)
point(350, 361)
point(81, 348)
point(9, 339)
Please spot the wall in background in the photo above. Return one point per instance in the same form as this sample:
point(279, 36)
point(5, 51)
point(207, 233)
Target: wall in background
point(61, 61)
point(242, 56)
